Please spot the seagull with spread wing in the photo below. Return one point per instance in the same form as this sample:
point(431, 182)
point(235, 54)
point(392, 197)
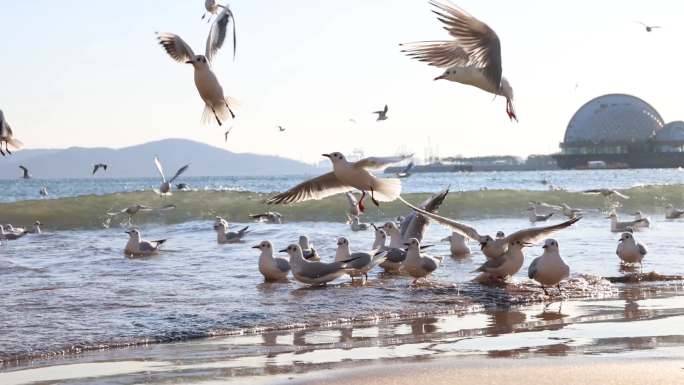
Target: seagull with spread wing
point(493, 248)
point(216, 104)
point(473, 57)
point(344, 177)
point(99, 166)
point(649, 28)
point(165, 187)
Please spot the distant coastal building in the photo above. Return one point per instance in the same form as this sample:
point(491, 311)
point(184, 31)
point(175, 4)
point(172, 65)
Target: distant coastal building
point(621, 131)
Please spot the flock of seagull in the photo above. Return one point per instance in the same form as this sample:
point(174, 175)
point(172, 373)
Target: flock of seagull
point(472, 56)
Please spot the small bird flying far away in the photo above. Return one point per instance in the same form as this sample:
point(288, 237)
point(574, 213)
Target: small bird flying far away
point(99, 166)
point(281, 128)
point(649, 28)
point(216, 104)
point(473, 57)
point(382, 114)
point(26, 174)
point(344, 177)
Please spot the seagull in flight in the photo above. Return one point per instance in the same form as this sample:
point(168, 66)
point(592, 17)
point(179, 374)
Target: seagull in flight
point(606, 193)
point(165, 187)
point(382, 114)
point(7, 137)
point(225, 134)
point(99, 166)
point(344, 177)
point(216, 104)
point(281, 129)
point(26, 172)
point(473, 57)
point(649, 28)
point(494, 248)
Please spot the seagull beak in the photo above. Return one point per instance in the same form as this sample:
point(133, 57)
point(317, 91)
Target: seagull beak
point(440, 77)
point(407, 244)
point(326, 155)
point(544, 247)
point(425, 246)
point(188, 62)
point(282, 251)
point(256, 247)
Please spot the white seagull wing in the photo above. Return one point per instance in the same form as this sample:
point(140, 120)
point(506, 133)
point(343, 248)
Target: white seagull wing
point(535, 234)
point(312, 189)
point(476, 38)
point(218, 32)
point(379, 163)
point(460, 228)
point(159, 168)
point(178, 49)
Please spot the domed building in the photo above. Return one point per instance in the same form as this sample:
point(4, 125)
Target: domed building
point(620, 131)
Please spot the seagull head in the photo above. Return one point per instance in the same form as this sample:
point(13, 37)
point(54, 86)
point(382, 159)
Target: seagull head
point(484, 242)
point(198, 61)
point(263, 246)
point(412, 244)
point(342, 241)
point(292, 250)
point(500, 235)
point(133, 233)
point(626, 237)
point(335, 157)
point(550, 245)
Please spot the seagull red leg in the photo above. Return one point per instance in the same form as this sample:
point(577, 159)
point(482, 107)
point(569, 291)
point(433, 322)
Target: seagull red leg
point(362, 207)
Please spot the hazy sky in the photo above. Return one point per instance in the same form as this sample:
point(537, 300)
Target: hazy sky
point(90, 73)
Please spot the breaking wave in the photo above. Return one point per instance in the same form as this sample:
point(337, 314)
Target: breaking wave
point(84, 212)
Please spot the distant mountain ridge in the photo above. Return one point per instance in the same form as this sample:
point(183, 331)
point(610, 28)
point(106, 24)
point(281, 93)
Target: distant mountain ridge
point(137, 161)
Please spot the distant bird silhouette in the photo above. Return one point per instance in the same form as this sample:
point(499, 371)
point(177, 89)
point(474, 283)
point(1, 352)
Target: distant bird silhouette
point(26, 172)
point(225, 134)
point(99, 166)
point(382, 115)
point(281, 129)
point(649, 28)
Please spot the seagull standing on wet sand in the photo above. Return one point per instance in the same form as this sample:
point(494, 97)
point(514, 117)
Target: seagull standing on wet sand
point(7, 137)
point(165, 187)
point(629, 250)
point(11, 236)
point(26, 172)
point(43, 192)
point(472, 58)
point(345, 176)
point(617, 226)
point(493, 248)
point(457, 245)
point(360, 263)
point(507, 264)
point(308, 250)
point(273, 269)
point(224, 236)
point(549, 269)
point(137, 247)
point(644, 223)
point(313, 273)
point(536, 217)
point(382, 114)
point(208, 86)
point(99, 166)
point(418, 265)
point(356, 225)
point(672, 213)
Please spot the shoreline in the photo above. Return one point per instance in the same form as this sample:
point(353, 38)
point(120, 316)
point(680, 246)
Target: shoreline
point(580, 370)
